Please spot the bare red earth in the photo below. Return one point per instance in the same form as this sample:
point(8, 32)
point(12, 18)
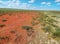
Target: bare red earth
point(11, 23)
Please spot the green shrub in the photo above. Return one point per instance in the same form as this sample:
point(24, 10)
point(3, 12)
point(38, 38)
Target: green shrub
point(57, 33)
point(27, 27)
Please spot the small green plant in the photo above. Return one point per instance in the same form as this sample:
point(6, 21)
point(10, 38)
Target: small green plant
point(4, 20)
point(2, 25)
point(57, 33)
point(27, 27)
point(48, 28)
point(4, 38)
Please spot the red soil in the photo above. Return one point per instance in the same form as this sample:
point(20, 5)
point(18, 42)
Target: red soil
point(12, 28)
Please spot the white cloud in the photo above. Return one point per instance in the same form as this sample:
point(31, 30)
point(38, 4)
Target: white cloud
point(46, 3)
point(31, 1)
point(43, 3)
point(58, 3)
point(24, 5)
point(2, 2)
point(57, 0)
point(49, 4)
point(15, 4)
point(10, 2)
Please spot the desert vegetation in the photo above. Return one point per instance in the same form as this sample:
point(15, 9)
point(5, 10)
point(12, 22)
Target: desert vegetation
point(29, 27)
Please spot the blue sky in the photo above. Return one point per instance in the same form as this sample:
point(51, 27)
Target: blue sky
point(31, 4)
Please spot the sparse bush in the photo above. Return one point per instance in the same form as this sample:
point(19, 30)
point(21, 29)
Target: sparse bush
point(4, 20)
point(57, 33)
point(27, 27)
point(48, 28)
point(2, 25)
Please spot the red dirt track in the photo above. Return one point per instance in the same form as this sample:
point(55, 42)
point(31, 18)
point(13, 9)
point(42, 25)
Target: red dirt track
point(11, 32)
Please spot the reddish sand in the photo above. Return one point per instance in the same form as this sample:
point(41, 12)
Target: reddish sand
point(11, 32)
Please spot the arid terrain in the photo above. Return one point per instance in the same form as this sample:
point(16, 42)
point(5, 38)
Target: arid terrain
point(29, 27)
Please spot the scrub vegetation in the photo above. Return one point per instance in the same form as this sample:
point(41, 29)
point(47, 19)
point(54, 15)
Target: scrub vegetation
point(29, 26)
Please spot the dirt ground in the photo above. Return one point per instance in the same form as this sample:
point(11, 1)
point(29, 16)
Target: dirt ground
point(25, 27)
point(11, 31)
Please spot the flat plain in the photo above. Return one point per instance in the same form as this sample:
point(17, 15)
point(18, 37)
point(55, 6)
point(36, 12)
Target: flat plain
point(29, 26)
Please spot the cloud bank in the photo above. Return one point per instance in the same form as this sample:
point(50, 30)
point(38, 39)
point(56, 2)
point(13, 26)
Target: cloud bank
point(30, 4)
point(57, 0)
